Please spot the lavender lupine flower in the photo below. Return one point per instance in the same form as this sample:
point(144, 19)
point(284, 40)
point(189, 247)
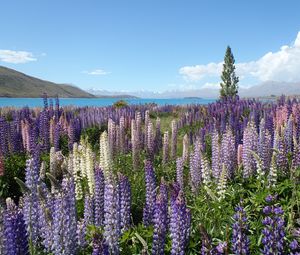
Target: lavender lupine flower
point(56, 141)
point(239, 154)
point(220, 249)
point(174, 139)
point(250, 140)
point(195, 167)
point(64, 223)
point(240, 240)
point(112, 229)
point(264, 145)
point(281, 155)
point(135, 144)
point(160, 220)
point(216, 155)
point(69, 216)
point(228, 152)
point(273, 232)
point(296, 154)
point(122, 134)
point(15, 235)
point(180, 221)
point(150, 141)
point(165, 148)
point(99, 197)
point(138, 135)
point(89, 218)
point(31, 201)
point(150, 194)
point(125, 202)
point(179, 172)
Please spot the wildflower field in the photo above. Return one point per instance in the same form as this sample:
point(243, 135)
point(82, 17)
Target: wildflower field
point(211, 179)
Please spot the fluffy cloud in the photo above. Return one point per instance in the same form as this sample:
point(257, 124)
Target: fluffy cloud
point(97, 72)
point(16, 57)
point(283, 65)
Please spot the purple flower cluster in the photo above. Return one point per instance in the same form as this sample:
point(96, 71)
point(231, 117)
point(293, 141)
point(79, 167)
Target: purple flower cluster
point(274, 225)
point(240, 240)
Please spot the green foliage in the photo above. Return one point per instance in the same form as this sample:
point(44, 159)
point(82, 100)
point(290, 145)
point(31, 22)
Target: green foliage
point(93, 135)
point(64, 144)
point(14, 166)
point(229, 84)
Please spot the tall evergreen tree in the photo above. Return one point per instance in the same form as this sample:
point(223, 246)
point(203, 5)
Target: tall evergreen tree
point(229, 84)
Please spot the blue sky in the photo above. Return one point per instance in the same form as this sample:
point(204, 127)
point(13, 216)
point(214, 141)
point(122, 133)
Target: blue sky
point(152, 45)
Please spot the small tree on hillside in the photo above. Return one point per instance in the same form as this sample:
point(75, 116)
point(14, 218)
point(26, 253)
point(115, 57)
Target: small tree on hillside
point(229, 84)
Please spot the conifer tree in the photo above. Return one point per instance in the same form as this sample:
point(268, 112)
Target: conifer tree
point(229, 84)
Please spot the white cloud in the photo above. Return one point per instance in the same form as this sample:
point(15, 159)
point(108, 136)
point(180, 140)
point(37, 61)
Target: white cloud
point(283, 65)
point(97, 72)
point(16, 57)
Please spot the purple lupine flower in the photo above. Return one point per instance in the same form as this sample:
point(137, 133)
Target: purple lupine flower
point(160, 220)
point(294, 247)
point(195, 167)
point(122, 134)
point(99, 197)
point(56, 139)
point(31, 201)
point(165, 148)
point(273, 232)
point(179, 172)
point(220, 249)
point(158, 140)
point(125, 202)
point(216, 155)
point(99, 246)
point(15, 235)
point(240, 240)
point(112, 229)
point(281, 155)
point(296, 154)
point(179, 225)
point(250, 141)
point(288, 134)
point(150, 194)
point(264, 145)
point(64, 223)
point(174, 139)
point(69, 216)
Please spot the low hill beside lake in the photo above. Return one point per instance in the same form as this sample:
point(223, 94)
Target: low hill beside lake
point(17, 84)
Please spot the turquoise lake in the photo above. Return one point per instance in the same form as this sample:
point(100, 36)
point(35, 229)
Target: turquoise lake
point(36, 102)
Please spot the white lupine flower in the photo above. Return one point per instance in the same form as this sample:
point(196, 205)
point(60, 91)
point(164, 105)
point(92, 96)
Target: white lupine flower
point(206, 171)
point(185, 147)
point(105, 162)
point(82, 151)
point(272, 177)
point(76, 172)
point(222, 183)
point(90, 168)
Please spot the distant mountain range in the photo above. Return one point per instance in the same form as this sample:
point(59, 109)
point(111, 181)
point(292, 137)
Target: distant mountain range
point(266, 89)
point(17, 84)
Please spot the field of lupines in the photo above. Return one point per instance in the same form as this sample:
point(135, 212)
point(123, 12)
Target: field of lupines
point(216, 179)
